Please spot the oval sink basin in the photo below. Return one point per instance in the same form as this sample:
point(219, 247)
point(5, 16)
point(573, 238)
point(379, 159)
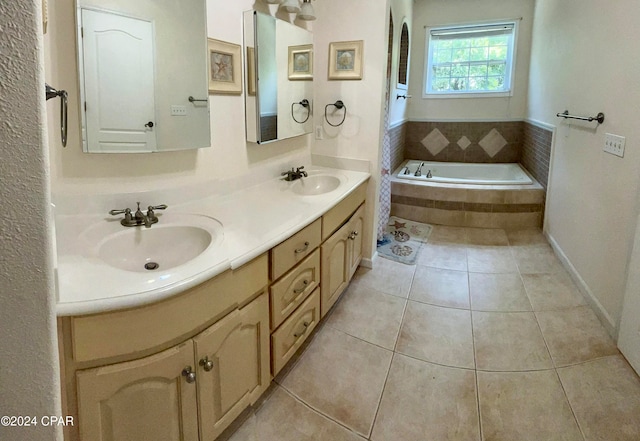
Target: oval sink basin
point(175, 240)
point(315, 185)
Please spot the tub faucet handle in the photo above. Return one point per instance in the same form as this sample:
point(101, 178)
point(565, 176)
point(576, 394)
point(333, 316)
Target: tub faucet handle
point(429, 175)
point(419, 170)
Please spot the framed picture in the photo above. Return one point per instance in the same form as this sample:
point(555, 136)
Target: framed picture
point(301, 62)
point(225, 67)
point(345, 60)
point(251, 70)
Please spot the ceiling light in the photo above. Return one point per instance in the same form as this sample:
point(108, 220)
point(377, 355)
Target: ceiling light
point(307, 12)
point(291, 6)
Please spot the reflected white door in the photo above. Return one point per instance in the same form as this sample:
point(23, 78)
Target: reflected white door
point(118, 63)
point(629, 336)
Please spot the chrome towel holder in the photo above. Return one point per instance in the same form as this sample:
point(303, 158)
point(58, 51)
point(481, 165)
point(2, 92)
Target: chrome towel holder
point(338, 105)
point(304, 103)
point(599, 117)
point(50, 92)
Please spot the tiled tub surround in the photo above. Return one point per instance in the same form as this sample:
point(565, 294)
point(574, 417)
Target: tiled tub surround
point(464, 141)
point(397, 136)
point(536, 151)
point(513, 141)
point(465, 205)
point(485, 338)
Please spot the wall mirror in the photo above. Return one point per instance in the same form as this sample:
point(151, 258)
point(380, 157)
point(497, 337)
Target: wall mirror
point(138, 64)
point(279, 78)
point(403, 62)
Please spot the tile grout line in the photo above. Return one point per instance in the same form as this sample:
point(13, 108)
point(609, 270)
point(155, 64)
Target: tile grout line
point(475, 361)
point(566, 397)
point(553, 361)
point(322, 414)
point(393, 354)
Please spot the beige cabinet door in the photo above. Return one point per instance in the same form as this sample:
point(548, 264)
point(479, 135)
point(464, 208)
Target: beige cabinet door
point(144, 400)
point(334, 267)
point(233, 365)
point(355, 235)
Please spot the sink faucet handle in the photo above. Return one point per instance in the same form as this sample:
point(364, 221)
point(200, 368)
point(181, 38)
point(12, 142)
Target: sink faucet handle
point(117, 212)
point(150, 212)
point(300, 172)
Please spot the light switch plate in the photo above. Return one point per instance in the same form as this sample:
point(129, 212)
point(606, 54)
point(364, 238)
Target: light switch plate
point(319, 132)
point(614, 144)
point(178, 110)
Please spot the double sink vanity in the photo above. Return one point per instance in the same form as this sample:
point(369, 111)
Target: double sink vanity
point(177, 350)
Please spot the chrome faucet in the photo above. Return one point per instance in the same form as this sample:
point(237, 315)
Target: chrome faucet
point(419, 170)
point(429, 175)
point(291, 175)
point(406, 171)
point(139, 218)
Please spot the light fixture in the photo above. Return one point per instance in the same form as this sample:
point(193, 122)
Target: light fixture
point(307, 12)
point(291, 6)
point(273, 2)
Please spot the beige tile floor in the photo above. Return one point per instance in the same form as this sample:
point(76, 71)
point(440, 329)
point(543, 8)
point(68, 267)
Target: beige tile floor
point(485, 338)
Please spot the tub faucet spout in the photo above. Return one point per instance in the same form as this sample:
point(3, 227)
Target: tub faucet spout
point(419, 170)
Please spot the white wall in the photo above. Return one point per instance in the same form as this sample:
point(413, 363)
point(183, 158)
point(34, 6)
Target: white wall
point(584, 58)
point(29, 369)
point(359, 137)
point(230, 155)
point(447, 12)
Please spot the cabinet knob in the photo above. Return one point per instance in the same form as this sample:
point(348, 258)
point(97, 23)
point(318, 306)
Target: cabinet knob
point(353, 235)
point(206, 364)
point(189, 375)
point(303, 249)
point(304, 329)
point(305, 283)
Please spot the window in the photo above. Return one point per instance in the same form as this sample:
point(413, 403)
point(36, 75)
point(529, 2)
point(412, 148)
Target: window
point(470, 59)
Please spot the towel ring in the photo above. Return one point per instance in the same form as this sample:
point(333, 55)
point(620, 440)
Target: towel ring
point(304, 103)
point(338, 105)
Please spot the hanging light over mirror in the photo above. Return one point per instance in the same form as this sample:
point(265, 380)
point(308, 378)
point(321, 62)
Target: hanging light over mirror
point(307, 12)
point(273, 2)
point(292, 6)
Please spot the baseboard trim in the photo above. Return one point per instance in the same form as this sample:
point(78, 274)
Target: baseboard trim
point(368, 263)
point(588, 295)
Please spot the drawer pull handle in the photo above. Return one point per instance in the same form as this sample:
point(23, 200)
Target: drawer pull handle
point(303, 249)
point(304, 286)
point(206, 364)
point(301, 333)
point(189, 375)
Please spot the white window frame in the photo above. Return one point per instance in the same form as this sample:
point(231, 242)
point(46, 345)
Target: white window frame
point(511, 62)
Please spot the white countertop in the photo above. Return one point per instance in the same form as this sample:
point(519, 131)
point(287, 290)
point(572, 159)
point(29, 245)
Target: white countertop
point(253, 220)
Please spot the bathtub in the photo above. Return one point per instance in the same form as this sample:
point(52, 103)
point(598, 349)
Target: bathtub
point(463, 173)
point(467, 195)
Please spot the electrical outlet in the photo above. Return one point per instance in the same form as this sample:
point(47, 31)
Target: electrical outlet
point(614, 144)
point(178, 110)
point(319, 132)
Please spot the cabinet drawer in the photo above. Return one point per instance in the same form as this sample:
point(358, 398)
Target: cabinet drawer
point(337, 216)
point(291, 290)
point(294, 331)
point(294, 249)
point(143, 329)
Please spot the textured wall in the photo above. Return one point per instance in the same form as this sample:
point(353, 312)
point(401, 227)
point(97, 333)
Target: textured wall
point(29, 377)
point(592, 201)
